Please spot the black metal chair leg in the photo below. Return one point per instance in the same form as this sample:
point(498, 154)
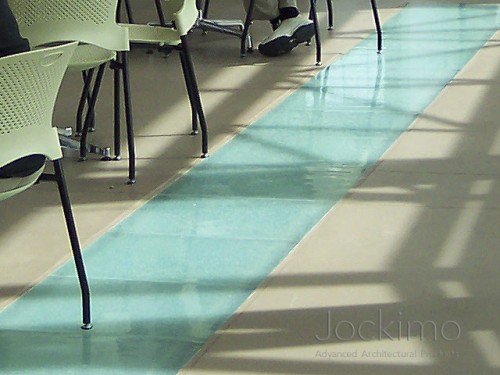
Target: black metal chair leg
point(375, 17)
point(159, 11)
point(246, 28)
point(377, 25)
point(129, 11)
point(317, 40)
point(329, 6)
point(92, 123)
point(189, 89)
point(205, 8)
point(115, 65)
point(128, 117)
point(84, 99)
point(75, 244)
point(90, 112)
point(196, 96)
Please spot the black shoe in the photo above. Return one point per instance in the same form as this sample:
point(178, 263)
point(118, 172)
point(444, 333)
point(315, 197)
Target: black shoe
point(290, 33)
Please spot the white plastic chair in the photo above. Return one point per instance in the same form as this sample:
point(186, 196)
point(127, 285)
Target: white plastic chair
point(29, 83)
point(102, 40)
point(184, 15)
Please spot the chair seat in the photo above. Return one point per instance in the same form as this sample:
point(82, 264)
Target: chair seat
point(23, 167)
point(152, 34)
point(14, 185)
point(88, 56)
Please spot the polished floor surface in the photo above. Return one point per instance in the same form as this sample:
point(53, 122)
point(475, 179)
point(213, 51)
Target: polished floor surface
point(381, 240)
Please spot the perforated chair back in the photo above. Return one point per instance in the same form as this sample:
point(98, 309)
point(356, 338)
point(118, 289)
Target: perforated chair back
point(88, 21)
point(93, 24)
point(29, 83)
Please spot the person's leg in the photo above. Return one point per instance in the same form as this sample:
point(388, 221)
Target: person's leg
point(290, 30)
point(288, 5)
point(269, 9)
point(10, 40)
point(264, 9)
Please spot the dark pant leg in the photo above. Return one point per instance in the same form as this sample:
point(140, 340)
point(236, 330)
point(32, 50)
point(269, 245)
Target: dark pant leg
point(10, 40)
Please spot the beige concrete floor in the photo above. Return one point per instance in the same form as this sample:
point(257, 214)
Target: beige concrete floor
point(417, 235)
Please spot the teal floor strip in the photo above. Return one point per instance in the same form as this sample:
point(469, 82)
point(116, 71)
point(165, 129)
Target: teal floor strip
point(166, 277)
